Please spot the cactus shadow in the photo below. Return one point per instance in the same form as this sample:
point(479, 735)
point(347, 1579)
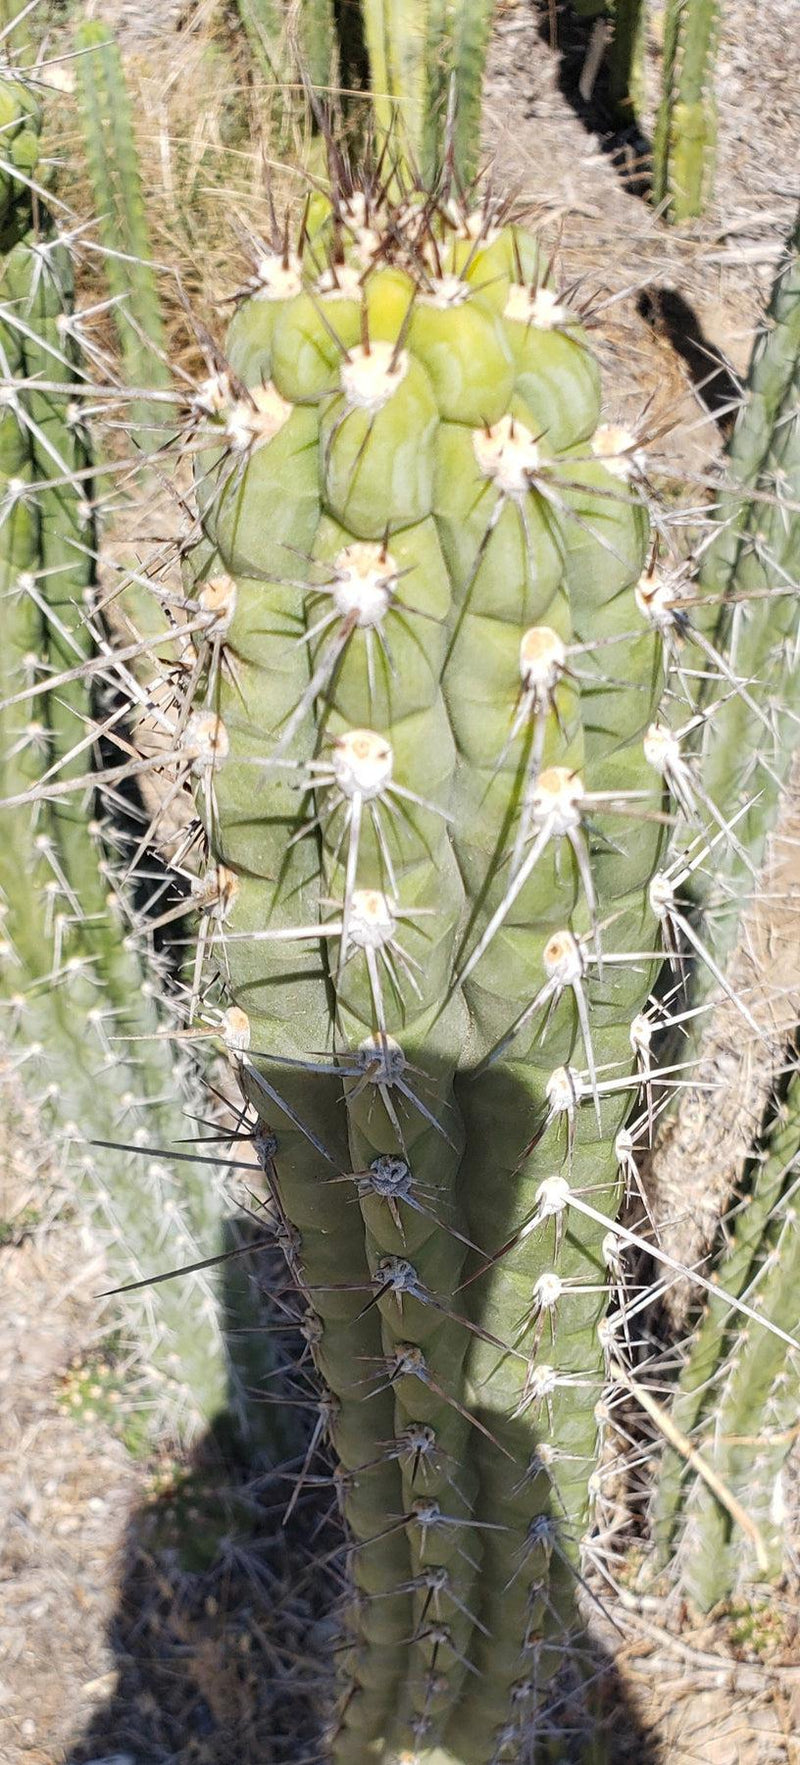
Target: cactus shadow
point(583, 79)
point(223, 1605)
point(224, 1633)
point(711, 374)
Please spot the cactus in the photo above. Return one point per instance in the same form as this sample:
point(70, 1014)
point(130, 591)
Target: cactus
point(739, 1389)
point(749, 573)
point(685, 135)
point(429, 557)
point(626, 59)
point(618, 39)
point(436, 766)
point(118, 198)
point(753, 563)
point(426, 60)
point(81, 1014)
point(287, 43)
point(430, 727)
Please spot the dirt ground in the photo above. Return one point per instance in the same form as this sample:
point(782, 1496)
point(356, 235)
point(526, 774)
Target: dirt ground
point(114, 1648)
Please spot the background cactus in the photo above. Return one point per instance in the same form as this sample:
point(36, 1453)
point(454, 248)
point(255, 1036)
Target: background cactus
point(750, 573)
point(118, 201)
point(80, 1006)
point(743, 742)
point(684, 142)
point(430, 714)
point(739, 1388)
point(424, 59)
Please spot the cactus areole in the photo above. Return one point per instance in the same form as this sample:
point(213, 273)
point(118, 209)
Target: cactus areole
point(429, 779)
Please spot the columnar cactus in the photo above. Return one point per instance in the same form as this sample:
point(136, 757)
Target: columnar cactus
point(739, 1389)
point(743, 734)
point(80, 1014)
point(684, 142)
point(749, 573)
point(118, 197)
point(426, 762)
point(426, 59)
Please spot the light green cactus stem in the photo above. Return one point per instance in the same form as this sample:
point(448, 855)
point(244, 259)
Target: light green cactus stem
point(767, 407)
point(113, 165)
point(684, 141)
point(81, 1016)
point(748, 742)
point(754, 561)
point(426, 63)
point(424, 764)
point(740, 1390)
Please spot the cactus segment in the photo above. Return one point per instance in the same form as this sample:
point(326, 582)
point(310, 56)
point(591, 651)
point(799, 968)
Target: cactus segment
point(276, 47)
point(81, 1016)
point(626, 58)
point(443, 842)
point(426, 66)
point(753, 563)
point(118, 197)
point(684, 141)
point(738, 1390)
point(748, 572)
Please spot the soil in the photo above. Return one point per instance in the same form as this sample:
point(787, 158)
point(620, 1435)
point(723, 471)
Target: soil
point(116, 1646)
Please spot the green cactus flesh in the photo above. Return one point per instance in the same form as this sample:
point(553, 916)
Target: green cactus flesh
point(425, 769)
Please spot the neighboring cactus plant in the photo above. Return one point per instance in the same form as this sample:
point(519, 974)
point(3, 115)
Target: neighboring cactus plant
point(288, 43)
point(684, 142)
point(740, 1390)
point(754, 562)
point(426, 63)
point(618, 39)
point(626, 58)
point(749, 698)
point(118, 197)
point(81, 1015)
point(749, 573)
